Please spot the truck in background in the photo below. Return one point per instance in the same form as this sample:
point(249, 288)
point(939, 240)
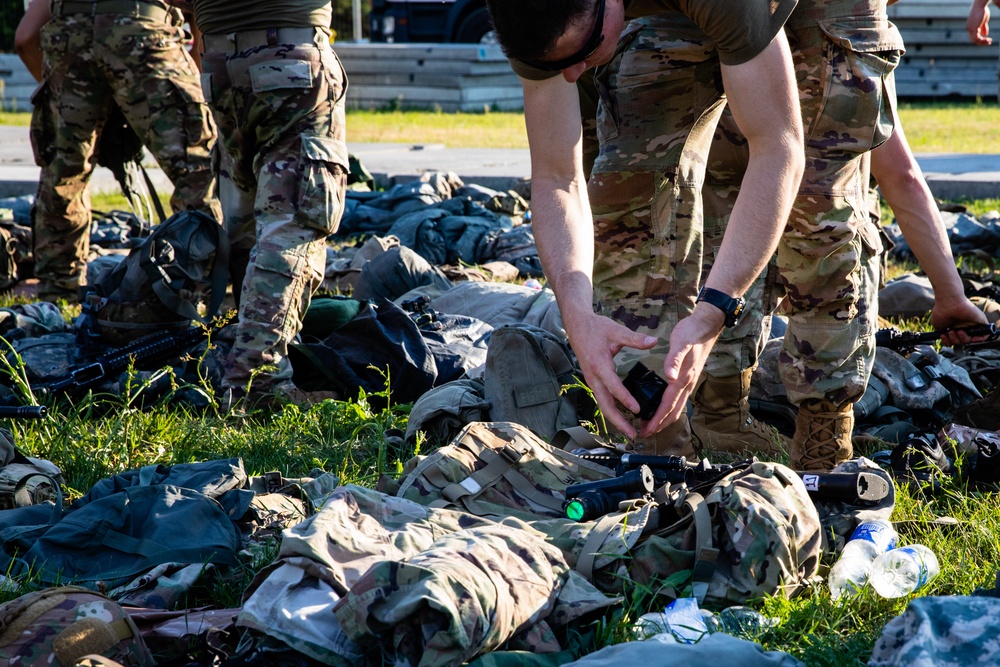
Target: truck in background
point(405, 21)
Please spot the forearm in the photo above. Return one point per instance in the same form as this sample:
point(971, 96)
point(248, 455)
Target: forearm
point(564, 238)
point(759, 215)
point(560, 209)
point(905, 190)
point(764, 103)
point(28, 37)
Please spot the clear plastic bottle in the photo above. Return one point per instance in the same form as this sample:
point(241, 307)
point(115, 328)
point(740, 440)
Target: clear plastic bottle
point(868, 541)
point(902, 571)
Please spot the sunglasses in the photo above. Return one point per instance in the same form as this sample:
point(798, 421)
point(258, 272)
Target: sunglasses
point(593, 42)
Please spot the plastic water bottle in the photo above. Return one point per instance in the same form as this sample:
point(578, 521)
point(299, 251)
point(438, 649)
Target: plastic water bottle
point(902, 571)
point(868, 541)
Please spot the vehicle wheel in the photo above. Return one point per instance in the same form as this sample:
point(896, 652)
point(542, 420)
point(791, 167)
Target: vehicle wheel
point(476, 28)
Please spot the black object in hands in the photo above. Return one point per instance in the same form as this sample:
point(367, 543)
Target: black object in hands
point(647, 388)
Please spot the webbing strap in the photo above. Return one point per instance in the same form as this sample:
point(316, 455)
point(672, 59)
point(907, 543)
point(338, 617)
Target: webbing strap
point(601, 532)
point(705, 555)
point(577, 436)
point(531, 492)
point(598, 537)
point(496, 466)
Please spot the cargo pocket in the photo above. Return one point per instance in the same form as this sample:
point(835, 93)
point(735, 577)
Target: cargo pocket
point(324, 180)
point(871, 260)
point(181, 118)
point(860, 54)
point(43, 126)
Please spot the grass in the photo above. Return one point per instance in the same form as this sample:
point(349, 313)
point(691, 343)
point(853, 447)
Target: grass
point(931, 127)
point(952, 127)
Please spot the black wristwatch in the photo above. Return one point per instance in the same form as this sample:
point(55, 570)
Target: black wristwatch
point(731, 306)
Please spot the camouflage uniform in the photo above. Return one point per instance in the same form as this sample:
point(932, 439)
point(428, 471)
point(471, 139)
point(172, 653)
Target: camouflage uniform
point(278, 98)
point(98, 54)
point(828, 257)
point(945, 631)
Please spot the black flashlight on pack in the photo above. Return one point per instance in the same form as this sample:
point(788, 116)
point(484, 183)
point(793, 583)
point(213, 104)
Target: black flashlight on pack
point(647, 388)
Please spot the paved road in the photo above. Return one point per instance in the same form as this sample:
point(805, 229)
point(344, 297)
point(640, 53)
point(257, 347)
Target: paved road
point(949, 175)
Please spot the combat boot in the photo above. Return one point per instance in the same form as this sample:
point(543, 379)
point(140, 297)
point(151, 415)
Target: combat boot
point(983, 413)
point(722, 421)
point(822, 435)
point(674, 440)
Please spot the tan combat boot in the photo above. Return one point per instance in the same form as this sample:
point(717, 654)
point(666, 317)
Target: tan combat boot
point(675, 440)
point(722, 421)
point(822, 435)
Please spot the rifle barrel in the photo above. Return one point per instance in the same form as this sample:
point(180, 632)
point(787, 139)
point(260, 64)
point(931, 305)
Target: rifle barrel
point(24, 411)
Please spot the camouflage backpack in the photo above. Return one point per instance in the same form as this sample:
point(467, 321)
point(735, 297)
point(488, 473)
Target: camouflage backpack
point(58, 626)
point(183, 263)
point(756, 532)
point(26, 480)
point(497, 468)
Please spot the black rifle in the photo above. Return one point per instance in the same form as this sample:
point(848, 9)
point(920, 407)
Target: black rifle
point(147, 353)
point(860, 488)
point(894, 339)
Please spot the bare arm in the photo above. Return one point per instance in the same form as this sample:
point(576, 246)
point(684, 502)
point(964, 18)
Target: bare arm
point(27, 38)
point(904, 188)
point(764, 102)
point(564, 235)
point(978, 23)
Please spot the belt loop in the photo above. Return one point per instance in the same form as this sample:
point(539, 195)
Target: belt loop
point(272, 36)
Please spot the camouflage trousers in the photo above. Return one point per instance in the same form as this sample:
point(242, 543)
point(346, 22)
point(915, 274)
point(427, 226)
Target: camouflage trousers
point(828, 258)
point(91, 63)
point(280, 112)
point(645, 190)
point(827, 264)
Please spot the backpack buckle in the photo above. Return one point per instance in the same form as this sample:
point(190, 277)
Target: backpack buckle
point(512, 455)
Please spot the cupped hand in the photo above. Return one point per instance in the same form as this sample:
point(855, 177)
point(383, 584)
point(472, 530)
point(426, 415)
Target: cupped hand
point(690, 343)
point(596, 340)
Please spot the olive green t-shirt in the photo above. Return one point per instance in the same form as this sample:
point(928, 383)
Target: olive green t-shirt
point(225, 16)
point(741, 29)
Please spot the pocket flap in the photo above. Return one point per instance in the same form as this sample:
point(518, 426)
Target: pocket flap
point(867, 34)
point(325, 149)
point(277, 74)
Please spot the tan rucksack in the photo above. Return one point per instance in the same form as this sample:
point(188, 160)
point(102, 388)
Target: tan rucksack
point(497, 468)
point(58, 626)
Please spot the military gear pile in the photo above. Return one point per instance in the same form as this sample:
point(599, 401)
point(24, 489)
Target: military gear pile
point(729, 552)
point(161, 284)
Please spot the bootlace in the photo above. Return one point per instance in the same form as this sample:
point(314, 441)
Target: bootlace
point(822, 442)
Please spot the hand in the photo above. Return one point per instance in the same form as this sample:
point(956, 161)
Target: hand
point(952, 313)
point(978, 24)
point(595, 341)
point(690, 342)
